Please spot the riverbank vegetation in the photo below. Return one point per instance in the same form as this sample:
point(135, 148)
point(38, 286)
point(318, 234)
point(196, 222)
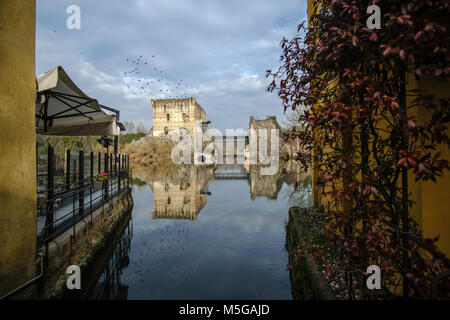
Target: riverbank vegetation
point(149, 151)
point(312, 263)
point(130, 137)
point(62, 143)
point(86, 143)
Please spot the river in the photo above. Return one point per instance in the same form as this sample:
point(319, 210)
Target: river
point(201, 233)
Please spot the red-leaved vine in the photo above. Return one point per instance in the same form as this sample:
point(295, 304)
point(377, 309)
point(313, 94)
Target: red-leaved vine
point(364, 137)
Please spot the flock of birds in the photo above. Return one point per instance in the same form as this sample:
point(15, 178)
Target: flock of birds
point(174, 236)
point(154, 252)
point(138, 83)
point(155, 83)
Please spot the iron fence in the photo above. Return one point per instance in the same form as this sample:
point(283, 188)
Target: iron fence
point(74, 192)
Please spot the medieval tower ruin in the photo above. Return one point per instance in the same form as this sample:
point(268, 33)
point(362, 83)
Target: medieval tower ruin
point(174, 114)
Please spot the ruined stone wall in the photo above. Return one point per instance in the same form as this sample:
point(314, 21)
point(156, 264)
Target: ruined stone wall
point(267, 124)
point(290, 147)
point(173, 114)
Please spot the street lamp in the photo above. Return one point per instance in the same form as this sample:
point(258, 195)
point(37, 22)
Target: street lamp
point(106, 142)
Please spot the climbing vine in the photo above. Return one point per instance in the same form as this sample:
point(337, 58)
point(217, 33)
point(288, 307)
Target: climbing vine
point(364, 137)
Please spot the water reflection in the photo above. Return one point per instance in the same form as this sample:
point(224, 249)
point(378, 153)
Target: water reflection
point(182, 195)
point(234, 249)
point(180, 192)
point(103, 279)
point(109, 286)
point(264, 185)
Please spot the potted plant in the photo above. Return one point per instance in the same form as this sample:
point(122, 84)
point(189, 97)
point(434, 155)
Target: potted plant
point(100, 180)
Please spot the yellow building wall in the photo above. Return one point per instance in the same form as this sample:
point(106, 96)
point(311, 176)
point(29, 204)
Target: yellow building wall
point(318, 199)
point(432, 200)
point(17, 143)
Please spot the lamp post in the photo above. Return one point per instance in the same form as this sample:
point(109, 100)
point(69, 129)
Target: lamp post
point(106, 142)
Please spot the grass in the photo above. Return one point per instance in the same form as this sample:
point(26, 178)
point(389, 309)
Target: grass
point(138, 182)
point(130, 137)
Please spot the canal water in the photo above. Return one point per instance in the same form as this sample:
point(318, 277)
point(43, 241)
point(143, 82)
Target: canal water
point(198, 233)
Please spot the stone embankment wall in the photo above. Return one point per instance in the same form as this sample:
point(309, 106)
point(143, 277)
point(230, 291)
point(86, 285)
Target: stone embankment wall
point(307, 279)
point(91, 235)
point(312, 262)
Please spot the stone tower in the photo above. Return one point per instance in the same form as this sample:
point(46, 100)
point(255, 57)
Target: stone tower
point(174, 114)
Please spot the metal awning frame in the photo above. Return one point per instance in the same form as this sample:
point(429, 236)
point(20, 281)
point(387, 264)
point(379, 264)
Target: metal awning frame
point(43, 114)
point(64, 109)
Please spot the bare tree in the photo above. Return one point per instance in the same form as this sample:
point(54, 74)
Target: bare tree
point(125, 124)
point(141, 128)
point(130, 127)
point(293, 118)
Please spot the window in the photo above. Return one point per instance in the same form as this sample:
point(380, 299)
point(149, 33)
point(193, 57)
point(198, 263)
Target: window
point(182, 108)
point(166, 130)
point(168, 116)
point(165, 108)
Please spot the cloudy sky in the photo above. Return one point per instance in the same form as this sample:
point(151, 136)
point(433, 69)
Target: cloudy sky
point(215, 50)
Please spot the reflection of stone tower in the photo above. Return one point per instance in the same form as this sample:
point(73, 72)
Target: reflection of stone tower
point(255, 125)
point(181, 196)
point(177, 200)
point(263, 185)
point(178, 192)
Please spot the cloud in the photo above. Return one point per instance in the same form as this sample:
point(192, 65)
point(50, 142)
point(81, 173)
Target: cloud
point(219, 49)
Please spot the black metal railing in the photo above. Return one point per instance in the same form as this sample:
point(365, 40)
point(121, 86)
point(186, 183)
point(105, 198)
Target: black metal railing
point(77, 195)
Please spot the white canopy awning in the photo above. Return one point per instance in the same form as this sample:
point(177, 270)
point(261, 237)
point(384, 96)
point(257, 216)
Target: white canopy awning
point(63, 109)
